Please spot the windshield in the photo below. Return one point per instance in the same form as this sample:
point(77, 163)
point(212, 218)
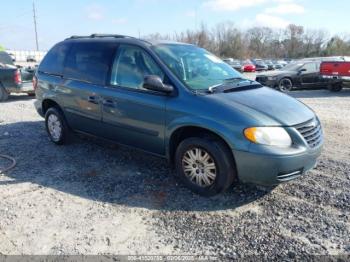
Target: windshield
point(196, 67)
point(293, 67)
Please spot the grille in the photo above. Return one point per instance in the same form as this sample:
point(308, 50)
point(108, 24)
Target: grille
point(311, 131)
point(261, 79)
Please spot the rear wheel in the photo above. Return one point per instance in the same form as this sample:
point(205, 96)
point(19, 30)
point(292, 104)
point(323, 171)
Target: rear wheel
point(205, 165)
point(56, 126)
point(3, 94)
point(285, 85)
point(336, 87)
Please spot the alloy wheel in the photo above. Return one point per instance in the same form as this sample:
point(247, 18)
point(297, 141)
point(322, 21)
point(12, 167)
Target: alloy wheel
point(55, 127)
point(199, 167)
point(285, 85)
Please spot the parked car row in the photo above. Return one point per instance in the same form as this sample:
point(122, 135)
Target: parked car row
point(14, 79)
point(255, 65)
point(304, 73)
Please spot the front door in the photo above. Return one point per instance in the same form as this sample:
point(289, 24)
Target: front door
point(131, 114)
point(311, 74)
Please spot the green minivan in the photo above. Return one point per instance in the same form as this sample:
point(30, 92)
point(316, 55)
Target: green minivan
point(180, 102)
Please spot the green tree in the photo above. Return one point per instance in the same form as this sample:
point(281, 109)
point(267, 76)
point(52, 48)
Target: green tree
point(2, 48)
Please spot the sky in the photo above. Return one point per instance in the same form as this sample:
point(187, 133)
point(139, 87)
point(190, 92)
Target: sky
point(57, 20)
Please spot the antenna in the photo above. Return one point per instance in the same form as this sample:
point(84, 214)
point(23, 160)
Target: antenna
point(35, 28)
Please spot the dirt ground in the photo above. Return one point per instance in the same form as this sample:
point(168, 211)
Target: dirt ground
point(90, 197)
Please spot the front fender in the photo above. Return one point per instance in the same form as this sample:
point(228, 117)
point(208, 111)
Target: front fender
point(231, 134)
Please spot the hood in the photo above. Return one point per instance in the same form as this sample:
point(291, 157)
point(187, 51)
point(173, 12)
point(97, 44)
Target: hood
point(264, 102)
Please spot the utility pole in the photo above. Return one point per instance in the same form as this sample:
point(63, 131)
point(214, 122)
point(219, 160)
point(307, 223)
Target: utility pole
point(36, 31)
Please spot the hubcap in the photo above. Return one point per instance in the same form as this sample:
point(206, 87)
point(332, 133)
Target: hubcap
point(199, 167)
point(286, 85)
point(54, 126)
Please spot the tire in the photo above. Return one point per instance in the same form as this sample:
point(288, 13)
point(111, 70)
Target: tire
point(218, 157)
point(285, 85)
point(335, 87)
point(3, 94)
point(56, 126)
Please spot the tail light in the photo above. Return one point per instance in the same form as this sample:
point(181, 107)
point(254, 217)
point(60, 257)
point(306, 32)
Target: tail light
point(35, 82)
point(17, 77)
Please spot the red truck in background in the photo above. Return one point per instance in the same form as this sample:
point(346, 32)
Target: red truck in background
point(336, 70)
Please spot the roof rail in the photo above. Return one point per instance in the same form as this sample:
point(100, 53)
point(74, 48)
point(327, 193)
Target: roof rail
point(99, 36)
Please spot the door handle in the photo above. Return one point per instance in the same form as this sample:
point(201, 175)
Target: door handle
point(93, 99)
point(108, 103)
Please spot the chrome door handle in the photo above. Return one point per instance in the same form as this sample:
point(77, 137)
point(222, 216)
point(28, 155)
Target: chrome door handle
point(93, 99)
point(108, 103)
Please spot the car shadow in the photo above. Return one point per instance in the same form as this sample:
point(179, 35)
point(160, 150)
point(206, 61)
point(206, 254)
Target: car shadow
point(104, 172)
point(324, 93)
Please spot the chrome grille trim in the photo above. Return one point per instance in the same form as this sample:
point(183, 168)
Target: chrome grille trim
point(311, 131)
point(289, 176)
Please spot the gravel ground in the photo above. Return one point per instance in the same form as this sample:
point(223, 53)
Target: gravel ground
point(90, 197)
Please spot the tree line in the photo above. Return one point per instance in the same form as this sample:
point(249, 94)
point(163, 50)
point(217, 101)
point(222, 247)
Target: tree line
point(227, 40)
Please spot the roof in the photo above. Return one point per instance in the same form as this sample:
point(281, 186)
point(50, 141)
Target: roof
point(120, 38)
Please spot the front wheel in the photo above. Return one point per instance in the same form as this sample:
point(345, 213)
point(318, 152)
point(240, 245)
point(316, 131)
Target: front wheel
point(205, 165)
point(285, 85)
point(56, 126)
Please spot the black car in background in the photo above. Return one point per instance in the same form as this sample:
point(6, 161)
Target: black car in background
point(299, 74)
point(270, 65)
point(13, 79)
point(235, 64)
point(277, 65)
point(260, 65)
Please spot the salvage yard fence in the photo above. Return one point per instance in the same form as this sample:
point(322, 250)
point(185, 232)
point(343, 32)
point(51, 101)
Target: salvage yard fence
point(21, 55)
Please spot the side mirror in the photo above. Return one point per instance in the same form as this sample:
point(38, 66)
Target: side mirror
point(154, 83)
point(302, 70)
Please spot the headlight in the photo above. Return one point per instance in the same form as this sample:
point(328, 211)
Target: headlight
point(271, 136)
point(272, 78)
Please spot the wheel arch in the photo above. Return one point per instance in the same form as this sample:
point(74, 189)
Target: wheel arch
point(48, 103)
point(287, 77)
point(182, 132)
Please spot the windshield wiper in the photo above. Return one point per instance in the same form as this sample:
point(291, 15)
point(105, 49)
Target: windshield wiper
point(213, 88)
point(234, 78)
point(229, 82)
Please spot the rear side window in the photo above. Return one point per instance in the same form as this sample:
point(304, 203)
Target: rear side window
point(89, 62)
point(54, 59)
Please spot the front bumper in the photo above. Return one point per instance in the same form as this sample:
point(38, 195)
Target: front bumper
point(265, 82)
point(265, 169)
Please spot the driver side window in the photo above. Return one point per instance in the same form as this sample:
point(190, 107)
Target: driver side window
point(310, 67)
point(131, 65)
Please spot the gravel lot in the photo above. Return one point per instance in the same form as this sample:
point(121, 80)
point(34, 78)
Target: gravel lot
point(90, 197)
